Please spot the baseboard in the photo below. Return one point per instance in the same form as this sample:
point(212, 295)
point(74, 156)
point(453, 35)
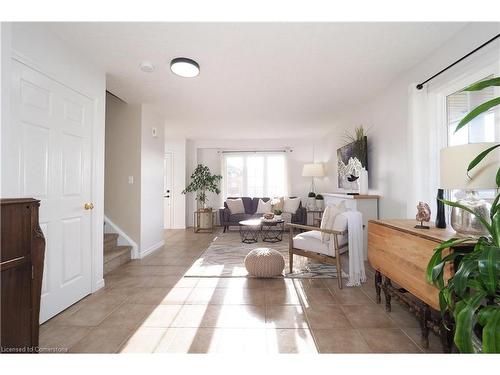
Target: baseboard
point(151, 249)
point(98, 285)
point(123, 238)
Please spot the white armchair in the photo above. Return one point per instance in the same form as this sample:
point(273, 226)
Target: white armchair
point(310, 244)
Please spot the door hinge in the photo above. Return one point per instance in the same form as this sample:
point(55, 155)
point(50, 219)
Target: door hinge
point(32, 272)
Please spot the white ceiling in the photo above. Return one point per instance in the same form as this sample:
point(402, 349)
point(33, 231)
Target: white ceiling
point(257, 80)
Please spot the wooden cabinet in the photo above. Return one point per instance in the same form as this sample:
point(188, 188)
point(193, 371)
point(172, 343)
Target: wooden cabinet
point(21, 268)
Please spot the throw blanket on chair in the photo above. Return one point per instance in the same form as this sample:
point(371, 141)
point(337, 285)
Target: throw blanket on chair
point(357, 255)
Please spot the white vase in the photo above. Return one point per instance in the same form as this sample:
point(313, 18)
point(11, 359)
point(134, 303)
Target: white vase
point(320, 204)
point(363, 182)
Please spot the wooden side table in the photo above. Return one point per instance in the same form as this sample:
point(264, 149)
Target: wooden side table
point(198, 219)
point(400, 253)
point(316, 216)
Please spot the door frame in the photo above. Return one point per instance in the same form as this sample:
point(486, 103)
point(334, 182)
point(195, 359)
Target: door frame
point(97, 164)
point(171, 154)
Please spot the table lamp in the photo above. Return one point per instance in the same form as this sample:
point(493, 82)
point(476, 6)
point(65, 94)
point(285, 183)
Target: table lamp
point(313, 170)
point(453, 164)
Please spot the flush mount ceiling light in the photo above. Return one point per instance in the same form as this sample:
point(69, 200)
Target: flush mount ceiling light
point(184, 67)
point(147, 67)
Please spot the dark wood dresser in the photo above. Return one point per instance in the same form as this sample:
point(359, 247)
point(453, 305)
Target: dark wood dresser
point(21, 267)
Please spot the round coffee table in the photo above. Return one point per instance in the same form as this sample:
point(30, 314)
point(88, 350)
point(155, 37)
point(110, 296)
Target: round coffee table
point(272, 230)
point(249, 230)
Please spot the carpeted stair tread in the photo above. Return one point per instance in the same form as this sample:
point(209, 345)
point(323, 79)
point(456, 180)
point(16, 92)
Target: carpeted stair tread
point(110, 237)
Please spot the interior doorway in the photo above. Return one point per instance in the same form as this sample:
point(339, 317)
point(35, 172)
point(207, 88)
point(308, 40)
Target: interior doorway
point(168, 169)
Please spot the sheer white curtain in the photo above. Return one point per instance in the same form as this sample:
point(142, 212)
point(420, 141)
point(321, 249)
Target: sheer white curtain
point(288, 183)
point(254, 174)
point(424, 139)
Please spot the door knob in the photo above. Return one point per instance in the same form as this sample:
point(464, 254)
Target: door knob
point(88, 206)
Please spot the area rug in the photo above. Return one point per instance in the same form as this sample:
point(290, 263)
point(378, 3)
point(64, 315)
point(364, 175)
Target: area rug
point(225, 257)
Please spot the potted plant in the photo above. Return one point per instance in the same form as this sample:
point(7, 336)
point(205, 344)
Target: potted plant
point(472, 294)
point(311, 200)
point(203, 181)
point(320, 202)
point(277, 214)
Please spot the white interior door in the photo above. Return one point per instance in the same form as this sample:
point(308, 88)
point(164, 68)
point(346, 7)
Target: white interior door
point(168, 190)
point(51, 133)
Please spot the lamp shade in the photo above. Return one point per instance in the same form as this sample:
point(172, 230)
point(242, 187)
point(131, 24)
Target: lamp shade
point(455, 161)
point(313, 170)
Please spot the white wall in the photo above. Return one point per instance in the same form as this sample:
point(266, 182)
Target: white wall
point(177, 146)
point(207, 152)
point(33, 44)
point(122, 199)
point(152, 158)
point(386, 116)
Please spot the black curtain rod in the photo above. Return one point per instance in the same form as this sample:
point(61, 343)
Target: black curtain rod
point(420, 86)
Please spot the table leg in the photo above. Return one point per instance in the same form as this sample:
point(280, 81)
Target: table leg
point(387, 284)
point(378, 282)
point(426, 315)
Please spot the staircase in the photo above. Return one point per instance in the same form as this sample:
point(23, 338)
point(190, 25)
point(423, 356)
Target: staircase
point(114, 255)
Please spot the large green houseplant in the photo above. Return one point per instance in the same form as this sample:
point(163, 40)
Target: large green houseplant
point(203, 181)
point(472, 295)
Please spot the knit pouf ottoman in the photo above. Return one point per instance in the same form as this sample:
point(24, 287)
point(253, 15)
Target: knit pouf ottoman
point(264, 262)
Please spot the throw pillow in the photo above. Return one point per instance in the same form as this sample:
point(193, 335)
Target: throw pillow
point(291, 205)
point(235, 206)
point(329, 216)
point(326, 223)
point(264, 207)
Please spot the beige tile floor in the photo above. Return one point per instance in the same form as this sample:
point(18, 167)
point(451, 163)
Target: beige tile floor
point(148, 306)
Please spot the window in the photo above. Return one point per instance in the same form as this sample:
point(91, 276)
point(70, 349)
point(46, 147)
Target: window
point(483, 128)
point(254, 174)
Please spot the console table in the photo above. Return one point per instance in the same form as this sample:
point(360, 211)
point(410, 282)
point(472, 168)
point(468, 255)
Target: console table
point(400, 253)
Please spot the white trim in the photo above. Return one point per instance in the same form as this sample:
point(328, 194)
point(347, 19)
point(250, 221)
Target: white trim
point(123, 238)
point(100, 284)
point(151, 249)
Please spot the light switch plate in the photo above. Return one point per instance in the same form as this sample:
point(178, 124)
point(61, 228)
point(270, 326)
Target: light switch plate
point(130, 179)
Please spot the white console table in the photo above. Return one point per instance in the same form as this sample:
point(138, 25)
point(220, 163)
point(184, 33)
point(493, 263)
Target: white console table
point(366, 204)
